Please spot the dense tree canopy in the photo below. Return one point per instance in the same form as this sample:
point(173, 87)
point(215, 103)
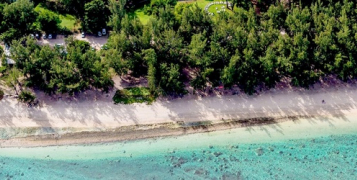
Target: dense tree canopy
point(17, 19)
point(47, 20)
point(95, 16)
point(75, 7)
point(69, 69)
point(247, 47)
point(255, 45)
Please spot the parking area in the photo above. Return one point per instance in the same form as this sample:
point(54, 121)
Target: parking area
point(94, 41)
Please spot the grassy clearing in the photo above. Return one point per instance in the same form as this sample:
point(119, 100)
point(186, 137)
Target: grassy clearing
point(200, 3)
point(213, 9)
point(133, 95)
point(139, 13)
point(68, 21)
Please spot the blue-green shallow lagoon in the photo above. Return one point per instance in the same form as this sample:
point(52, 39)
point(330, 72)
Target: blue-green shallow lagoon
point(326, 157)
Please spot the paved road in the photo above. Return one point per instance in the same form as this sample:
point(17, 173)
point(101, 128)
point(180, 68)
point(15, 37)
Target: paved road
point(93, 40)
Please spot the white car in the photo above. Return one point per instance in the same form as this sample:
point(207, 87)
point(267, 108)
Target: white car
point(58, 45)
point(99, 34)
point(104, 32)
point(50, 36)
point(83, 35)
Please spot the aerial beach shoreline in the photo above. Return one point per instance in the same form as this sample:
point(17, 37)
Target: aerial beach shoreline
point(199, 89)
point(80, 122)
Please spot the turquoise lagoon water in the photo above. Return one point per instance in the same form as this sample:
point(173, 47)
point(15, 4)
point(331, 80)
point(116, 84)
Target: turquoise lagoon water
point(217, 155)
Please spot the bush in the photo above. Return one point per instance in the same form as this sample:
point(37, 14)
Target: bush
point(26, 97)
point(155, 5)
point(133, 95)
point(2, 69)
point(147, 10)
point(65, 31)
point(1, 94)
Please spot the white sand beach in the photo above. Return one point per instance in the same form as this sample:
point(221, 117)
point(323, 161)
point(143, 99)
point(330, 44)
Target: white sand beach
point(61, 116)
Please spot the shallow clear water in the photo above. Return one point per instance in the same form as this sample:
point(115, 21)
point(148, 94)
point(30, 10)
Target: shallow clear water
point(323, 157)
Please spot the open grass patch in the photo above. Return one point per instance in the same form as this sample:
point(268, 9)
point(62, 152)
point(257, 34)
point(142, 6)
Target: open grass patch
point(201, 3)
point(219, 8)
point(133, 95)
point(68, 21)
point(139, 13)
point(144, 18)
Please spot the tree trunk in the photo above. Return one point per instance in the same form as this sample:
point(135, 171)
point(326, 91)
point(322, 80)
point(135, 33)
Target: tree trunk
point(14, 86)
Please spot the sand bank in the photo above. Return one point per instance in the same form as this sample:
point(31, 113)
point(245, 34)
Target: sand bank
point(62, 122)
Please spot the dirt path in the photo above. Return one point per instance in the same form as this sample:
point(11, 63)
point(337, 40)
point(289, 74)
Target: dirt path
point(94, 41)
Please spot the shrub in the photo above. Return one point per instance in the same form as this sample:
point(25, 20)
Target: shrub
point(26, 97)
point(2, 69)
point(133, 95)
point(1, 94)
point(155, 5)
point(147, 10)
point(65, 31)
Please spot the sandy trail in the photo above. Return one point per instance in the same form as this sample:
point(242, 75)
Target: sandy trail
point(104, 114)
point(86, 120)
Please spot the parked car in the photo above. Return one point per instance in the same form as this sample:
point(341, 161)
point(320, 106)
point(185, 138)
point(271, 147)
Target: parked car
point(44, 36)
point(83, 35)
point(37, 36)
point(50, 36)
point(58, 45)
point(104, 32)
point(32, 36)
point(99, 34)
point(7, 46)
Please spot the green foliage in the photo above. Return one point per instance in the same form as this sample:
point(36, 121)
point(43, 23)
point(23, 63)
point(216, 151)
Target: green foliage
point(170, 81)
point(303, 43)
point(95, 16)
point(117, 14)
point(69, 69)
point(133, 95)
point(75, 7)
point(68, 22)
point(251, 47)
point(195, 21)
point(83, 46)
point(12, 78)
point(1, 94)
point(151, 59)
point(140, 14)
point(47, 20)
point(179, 8)
point(155, 5)
point(26, 97)
point(18, 18)
point(2, 69)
